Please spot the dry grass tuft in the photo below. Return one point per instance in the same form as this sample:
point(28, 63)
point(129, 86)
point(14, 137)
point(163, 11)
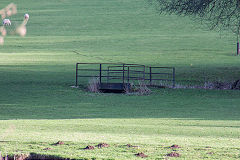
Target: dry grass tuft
point(140, 89)
point(217, 85)
point(93, 85)
point(143, 89)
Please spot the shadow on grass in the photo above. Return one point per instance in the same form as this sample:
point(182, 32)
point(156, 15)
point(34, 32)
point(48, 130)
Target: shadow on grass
point(48, 95)
point(35, 156)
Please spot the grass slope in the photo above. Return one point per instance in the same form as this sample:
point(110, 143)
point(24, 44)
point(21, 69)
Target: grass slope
point(38, 107)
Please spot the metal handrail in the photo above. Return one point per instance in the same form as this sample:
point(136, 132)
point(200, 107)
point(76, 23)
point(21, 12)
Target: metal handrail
point(126, 74)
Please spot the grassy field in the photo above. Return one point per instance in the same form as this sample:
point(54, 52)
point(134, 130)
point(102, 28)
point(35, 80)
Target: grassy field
point(38, 107)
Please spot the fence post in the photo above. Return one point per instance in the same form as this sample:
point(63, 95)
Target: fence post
point(150, 75)
point(174, 77)
point(100, 73)
point(76, 74)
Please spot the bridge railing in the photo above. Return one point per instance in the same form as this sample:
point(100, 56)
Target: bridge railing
point(125, 73)
point(162, 75)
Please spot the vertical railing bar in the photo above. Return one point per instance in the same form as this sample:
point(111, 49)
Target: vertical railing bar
point(100, 73)
point(144, 73)
point(150, 75)
point(76, 74)
point(128, 74)
point(108, 75)
point(123, 73)
point(174, 81)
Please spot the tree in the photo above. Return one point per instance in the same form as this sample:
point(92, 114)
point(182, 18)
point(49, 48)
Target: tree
point(218, 14)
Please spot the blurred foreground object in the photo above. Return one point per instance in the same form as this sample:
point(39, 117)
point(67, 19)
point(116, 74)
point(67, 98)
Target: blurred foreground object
point(7, 22)
point(26, 16)
point(8, 11)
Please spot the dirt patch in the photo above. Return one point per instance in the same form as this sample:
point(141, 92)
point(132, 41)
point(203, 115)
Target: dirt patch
point(89, 147)
point(210, 153)
point(175, 146)
point(173, 154)
point(15, 157)
point(129, 145)
point(59, 143)
point(103, 145)
point(20, 157)
point(142, 155)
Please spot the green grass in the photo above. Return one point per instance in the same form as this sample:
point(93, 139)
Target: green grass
point(38, 107)
point(153, 136)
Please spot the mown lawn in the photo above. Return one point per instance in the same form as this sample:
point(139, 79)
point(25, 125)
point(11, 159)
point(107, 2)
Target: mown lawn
point(38, 107)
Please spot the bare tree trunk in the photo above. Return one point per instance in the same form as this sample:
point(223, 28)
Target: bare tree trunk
point(237, 47)
point(238, 41)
